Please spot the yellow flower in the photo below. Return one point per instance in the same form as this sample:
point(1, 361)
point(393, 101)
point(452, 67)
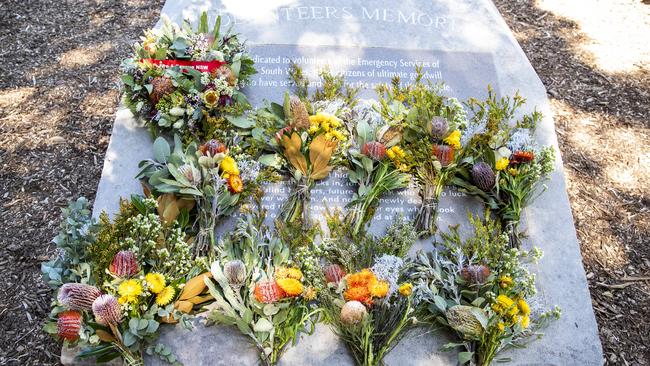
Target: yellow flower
point(390, 153)
point(513, 171)
point(379, 289)
point(155, 281)
point(284, 272)
point(502, 163)
point(525, 321)
point(313, 129)
point(523, 307)
point(314, 121)
point(501, 326)
point(310, 293)
point(503, 305)
point(406, 289)
point(290, 286)
point(398, 151)
point(129, 291)
point(228, 166)
point(505, 281)
point(329, 136)
point(165, 296)
point(338, 135)
point(210, 98)
point(453, 139)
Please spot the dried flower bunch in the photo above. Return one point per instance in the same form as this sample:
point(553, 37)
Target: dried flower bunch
point(187, 81)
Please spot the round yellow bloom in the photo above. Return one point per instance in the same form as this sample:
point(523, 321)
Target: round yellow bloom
point(165, 296)
point(338, 135)
point(453, 139)
point(129, 291)
point(502, 164)
point(228, 166)
point(513, 171)
point(210, 98)
point(290, 286)
point(155, 281)
point(523, 307)
point(379, 289)
point(390, 153)
point(503, 305)
point(505, 281)
point(501, 326)
point(313, 129)
point(525, 321)
point(284, 272)
point(406, 289)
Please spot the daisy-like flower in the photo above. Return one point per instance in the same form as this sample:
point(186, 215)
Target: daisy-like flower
point(501, 164)
point(290, 286)
point(453, 139)
point(165, 296)
point(155, 281)
point(228, 167)
point(129, 291)
point(406, 289)
point(286, 272)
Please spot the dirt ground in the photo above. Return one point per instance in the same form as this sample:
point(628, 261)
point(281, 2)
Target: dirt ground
point(59, 92)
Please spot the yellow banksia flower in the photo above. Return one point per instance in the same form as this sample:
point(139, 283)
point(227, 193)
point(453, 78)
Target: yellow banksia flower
point(290, 286)
point(228, 166)
point(165, 296)
point(129, 291)
point(155, 281)
point(453, 139)
point(501, 164)
point(379, 289)
point(406, 289)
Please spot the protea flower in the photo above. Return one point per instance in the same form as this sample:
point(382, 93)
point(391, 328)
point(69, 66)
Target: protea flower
point(212, 147)
point(107, 310)
point(438, 127)
point(161, 86)
point(519, 157)
point(235, 184)
point(299, 115)
point(78, 296)
point(124, 264)
point(444, 154)
point(334, 273)
point(374, 150)
point(68, 325)
point(483, 176)
point(235, 272)
point(463, 320)
point(268, 291)
point(353, 312)
point(475, 274)
point(191, 173)
point(224, 72)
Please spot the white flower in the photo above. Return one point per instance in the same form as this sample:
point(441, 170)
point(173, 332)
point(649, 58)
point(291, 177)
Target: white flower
point(387, 268)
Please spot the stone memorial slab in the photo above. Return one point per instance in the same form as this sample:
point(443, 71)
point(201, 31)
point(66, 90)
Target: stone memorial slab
point(465, 44)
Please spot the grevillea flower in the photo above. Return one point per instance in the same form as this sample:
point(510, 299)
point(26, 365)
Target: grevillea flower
point(235, 184)
point(290, 286)
point(268, 291)
point(68, 325)
point(352, 312)
point(78, 296)
point(155, 281)
point(463, 319)
point(501, 164)
point(129, 291)
point(334, 273)
point(483, 176)
point(438, 127)
point(281, 132)
point(453, 139)
point(475, 274)
point(107, 310)
point(444, 154)
point(124, 264)
point(286, 272)
point(406, 289)
point(165, 296)
point(228, 167)
point(212, 148)
point(235, 272)
point(375, 150)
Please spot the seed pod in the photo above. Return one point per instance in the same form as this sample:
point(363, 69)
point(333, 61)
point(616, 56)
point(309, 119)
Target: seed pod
point(463, 320)
point(475, 274)
point(268, 291)
point(519, 157)
point(438, 127)
point(444, 154)
point(483, 176)
point(160, 87)
point(353, 312)
point(68, 325)
point(212, 147)
point(334, 273)
point(107, 310)
point(124, 264)
point(235, 272)
point(390, 136)
point(235, 184)
point(78, 296)
point(374, 150)
point(299, 115)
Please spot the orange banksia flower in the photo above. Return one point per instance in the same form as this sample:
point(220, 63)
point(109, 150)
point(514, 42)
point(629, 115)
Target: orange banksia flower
point(519, 157)
point(444, 154)
point(68, 325)
point(268, 291)
point(374, 150)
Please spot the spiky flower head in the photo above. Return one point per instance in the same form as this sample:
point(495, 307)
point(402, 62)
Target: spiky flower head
point(299, 116)
point(124, 264)
point(78, 296)
point(464, 320)
point(155, 281)
point(235, 272)
point(191, 173)
point(438, 127)
point(160, 87)
point(107, 310)
point(475, 274)
point(268, 291)
point(444, 154)
point(353, 312)
point(165, 296)
point(68, 325)
point(483, 176)
point(375, 150)
point(212, 148)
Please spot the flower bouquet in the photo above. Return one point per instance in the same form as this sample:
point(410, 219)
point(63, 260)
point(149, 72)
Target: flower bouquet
point(206, 175)
point(126, 274)
point(368, 303)
point(504, 167)
point(431, 127)
point(257, 290)
point(187, 81)
point(479, 289)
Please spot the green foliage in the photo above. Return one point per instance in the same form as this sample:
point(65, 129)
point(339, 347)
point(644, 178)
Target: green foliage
point(333, 87)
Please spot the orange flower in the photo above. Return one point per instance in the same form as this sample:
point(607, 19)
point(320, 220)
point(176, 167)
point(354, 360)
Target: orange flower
point(358, 293)
point(268, 292)
point(362, 278)
point(235, 184)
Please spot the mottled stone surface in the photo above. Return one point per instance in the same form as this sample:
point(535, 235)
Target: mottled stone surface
point(474, 47)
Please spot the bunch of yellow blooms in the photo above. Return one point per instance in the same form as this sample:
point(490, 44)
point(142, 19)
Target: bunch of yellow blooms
point(453, 139)
point(364, 286)
point(512, 310)
point(327, 124)
point(399, 158)
point(288, 279)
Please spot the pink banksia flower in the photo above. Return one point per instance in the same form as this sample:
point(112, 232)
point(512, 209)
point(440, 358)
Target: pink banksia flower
point(124, 264)
point(483, 176)
point(107, 310)
point(78, 296)
point(374, 150)
point(334, 273)
point(444, 154)
point(68, 325)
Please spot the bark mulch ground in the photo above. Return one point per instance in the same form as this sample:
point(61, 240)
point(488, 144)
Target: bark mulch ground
point(60, 89)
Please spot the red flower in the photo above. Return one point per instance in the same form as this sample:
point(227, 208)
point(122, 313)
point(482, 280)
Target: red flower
point(68, 325)
point(374, 150)
point(519, 157)
point(268, 292)
point(235, 184)
point(444, 154)
point(334, 273)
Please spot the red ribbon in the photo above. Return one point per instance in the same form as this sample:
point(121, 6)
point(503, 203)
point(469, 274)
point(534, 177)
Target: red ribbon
point(203, 66)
